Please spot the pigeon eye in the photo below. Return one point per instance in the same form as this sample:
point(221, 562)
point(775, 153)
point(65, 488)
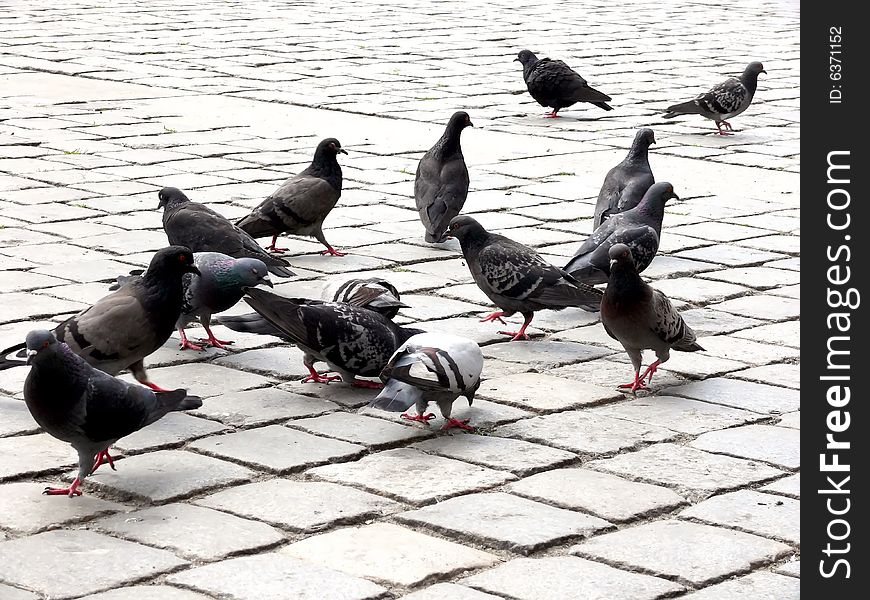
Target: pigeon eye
point(45, 344)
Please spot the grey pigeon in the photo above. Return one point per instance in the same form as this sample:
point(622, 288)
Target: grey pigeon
point(374, 293)
point(76, 403)
point(627, 182)
point(724, 101)
point(640, 228)
point(302, 202)
point(121, 329)
point(515, 277)
point(441, 185)
point(553, 83)
point(354, 341)
point(641, 318)
point(201, 229)
point(221, 284)
point(431, 367)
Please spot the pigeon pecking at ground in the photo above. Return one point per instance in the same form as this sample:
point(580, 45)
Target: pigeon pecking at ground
point(640, 228)
point(374, 293)
point(724, 101)
point(121, 329)
point(627, 182)
point(353, 341)
point(641, 318)
point(515, 277)
point(302, 202)
point(201, 229)
point(553, 83)
point(76, 403)
point(441, 185)
point(221, 284)
point(431, 367)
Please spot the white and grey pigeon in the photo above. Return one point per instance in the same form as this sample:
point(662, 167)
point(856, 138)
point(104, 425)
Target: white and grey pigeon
point(627, 182)
point(373, 293)
point(353, 341)
point(641, 318)
point(431, 367)
point(724, 101)
point(441, 183)
point(640, 228)
point(516, 278)
point(220, 285)
point(78, 404)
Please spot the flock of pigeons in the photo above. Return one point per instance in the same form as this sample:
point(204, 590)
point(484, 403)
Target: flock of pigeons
point(212, 263)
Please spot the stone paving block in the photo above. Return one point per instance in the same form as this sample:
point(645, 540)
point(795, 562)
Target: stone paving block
point(747, 510)
point(472, 328)
point(791, 420)
point(740, 394)
point(68, 554)
point(432, 307)
point(695, 290)
point(44, 454)
point(260, 406)
point(791, 568)
point(22, 281)
point(15, 419)
point(280, 362)
point(584, 432)
point(173, 429)
point(205, 379)
point(86, 271)
point(727, 254)
point(18, 306)
point(686, 469)
point(756, 277)
point(787, 486)
point(270, 576)
point(544, 354)
point(192, 532)
point(611, 371)
point(568, 578)
point(544, 392)
point(482, 414)
point(10, 593)
point(336, 392)
point(300, 506)
point(785, 375)
point(606, 496)
point(494, 452)
point(787, 333)
point(711, 322)
point(504, 521)
point(761, 306)
point(422, 557)
point(690, 552)
point(701, 364)
point(679, 414)
point(27, 510)
point(746, 351)
point(147, 592)
point(412, 476)
point(779, 446)
point(449, 591)
point(277, 449)
point(360, 429)
point(167, 475)
point(755, 586)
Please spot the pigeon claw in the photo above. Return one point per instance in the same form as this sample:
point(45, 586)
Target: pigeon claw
point(99, 460)
point(333, 252)
point(316, 377)
point(364, 383)
point(551, 115)
point(516, 335)
point(72, 490)
point(186, 344)
point(727, 125)
point(461, 424)
point(275, 250)
point(215, 343)
point(425, 418)
point(495, 316)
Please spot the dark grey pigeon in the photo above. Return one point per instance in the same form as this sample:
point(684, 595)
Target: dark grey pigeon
point(220, 285)
point(302, 202)
point(640, 228)
point(374, 293)
point(431, 367)
point(441, 185)
point(121, 329)
point(641, 318)
point(627, 182)
point(724, 101)
point(201, 229)
point(553, 83)
point(76, 403)
point(354, 341)
point(515, 277)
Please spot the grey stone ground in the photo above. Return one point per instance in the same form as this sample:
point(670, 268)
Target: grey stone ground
point(276, 489)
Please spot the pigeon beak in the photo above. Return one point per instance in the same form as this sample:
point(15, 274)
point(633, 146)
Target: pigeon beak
point(763, 71)
point(516, 60)
point(612, 263)
point(342, 150)
point(192, 269)
point(673, 196)
point(267, 281)
point(30, 355)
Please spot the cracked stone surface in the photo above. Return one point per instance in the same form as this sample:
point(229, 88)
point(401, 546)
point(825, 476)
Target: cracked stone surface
point(101, 105)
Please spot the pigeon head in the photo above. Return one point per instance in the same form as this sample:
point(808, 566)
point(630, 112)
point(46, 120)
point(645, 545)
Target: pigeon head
point(645, 137)
point(465, 228)
point(329, 147)
point(526, 57)
point(170, 196)
point(40, 342)
point(754, 68)
point(460, 120)
point(620, 257)
point(659, 193)
point(172, 260)
point(251, 272)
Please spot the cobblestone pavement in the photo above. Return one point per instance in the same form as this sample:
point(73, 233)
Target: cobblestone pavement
point(275, 489)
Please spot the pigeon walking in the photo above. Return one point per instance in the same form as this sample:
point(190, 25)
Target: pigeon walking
point(641, 318)
point(78, 404)
point(627, 182)
point(221, 284)
point(441, 185)
point(121, 329)
point(516, 278)
point(353, 341)
point(302, 202)
point(640, 228)
point(431, 367)
point(201, 229)
point(374, 293)
point(724, 101)
point(553, 83)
